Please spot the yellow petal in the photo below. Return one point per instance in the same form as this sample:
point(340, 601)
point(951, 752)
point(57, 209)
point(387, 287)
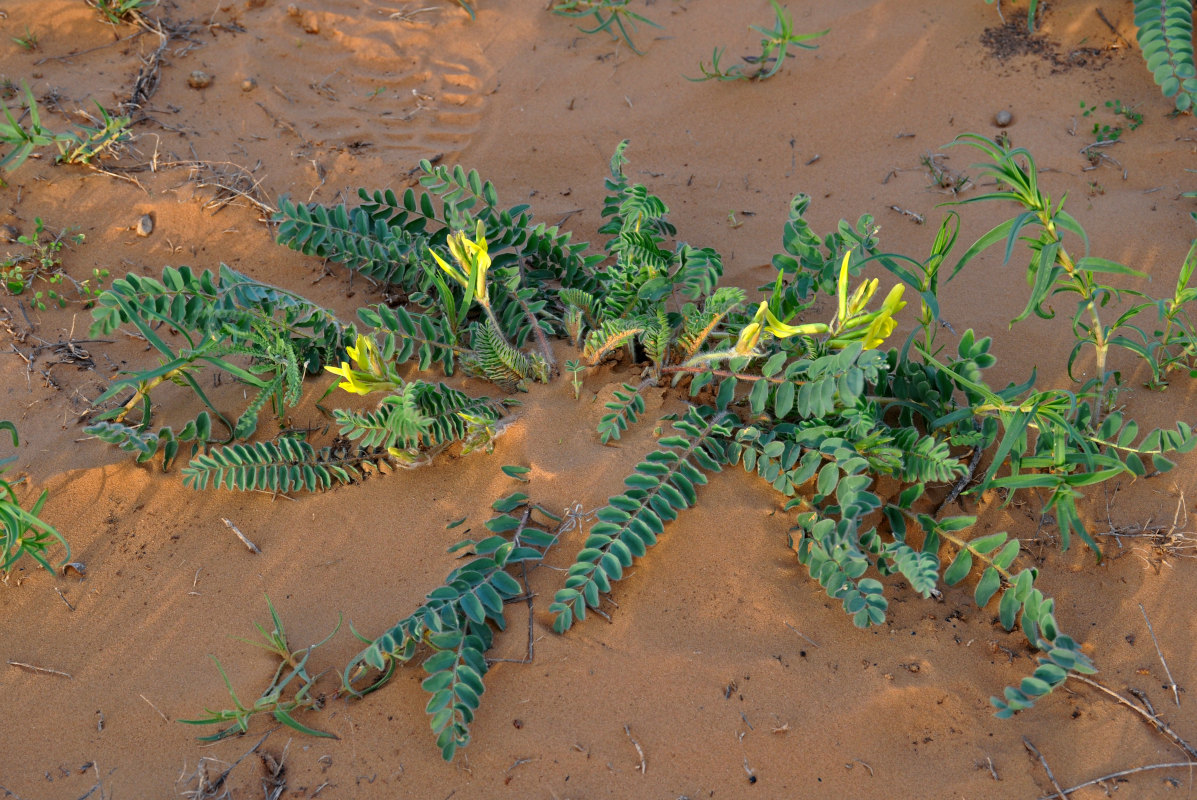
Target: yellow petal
point(879, 331)
point(893, 301)
point(842, 292)
point(861, 297)
point(451, 271)
point(341, 371)
point(749, 337)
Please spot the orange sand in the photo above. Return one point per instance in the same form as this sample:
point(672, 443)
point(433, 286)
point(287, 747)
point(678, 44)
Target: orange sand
point(701, 663)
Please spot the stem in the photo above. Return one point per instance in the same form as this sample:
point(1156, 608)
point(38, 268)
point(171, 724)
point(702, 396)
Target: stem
point(1085, 290)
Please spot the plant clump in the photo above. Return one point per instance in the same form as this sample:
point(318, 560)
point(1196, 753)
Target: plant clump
point(833, 413)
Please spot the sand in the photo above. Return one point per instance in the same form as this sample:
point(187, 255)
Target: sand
point(723, 669)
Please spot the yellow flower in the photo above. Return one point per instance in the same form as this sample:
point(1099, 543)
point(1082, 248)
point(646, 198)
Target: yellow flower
point(371, 374)
point(473, 260)
point(764, 320)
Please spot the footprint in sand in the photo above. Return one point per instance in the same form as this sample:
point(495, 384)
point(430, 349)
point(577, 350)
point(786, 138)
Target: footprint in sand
point(409, 82)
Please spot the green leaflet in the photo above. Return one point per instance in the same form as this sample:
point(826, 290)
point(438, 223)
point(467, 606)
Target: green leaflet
point(455, 623)
point(625, 410)
point(284, 465)
point(661, 486)
point(1165, 34)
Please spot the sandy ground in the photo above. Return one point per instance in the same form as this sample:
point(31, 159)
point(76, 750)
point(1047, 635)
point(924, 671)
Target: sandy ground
point(724, 671)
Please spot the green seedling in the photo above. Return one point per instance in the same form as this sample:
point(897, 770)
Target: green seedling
point(119, 11)
point(609, 15)
point(28, 41)
point(24, 532)
point(272, 701)
point(44, 263)
point(774, 50)
point(575, 369)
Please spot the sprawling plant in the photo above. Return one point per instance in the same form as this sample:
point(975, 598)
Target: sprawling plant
point(866, 441)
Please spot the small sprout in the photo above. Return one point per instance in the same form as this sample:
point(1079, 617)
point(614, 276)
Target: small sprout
point(575, 370)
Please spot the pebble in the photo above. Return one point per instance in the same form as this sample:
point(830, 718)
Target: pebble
point(199, 79)
point(145, 225)
point(248, 85)
point(311, 24)
point(1003, 118)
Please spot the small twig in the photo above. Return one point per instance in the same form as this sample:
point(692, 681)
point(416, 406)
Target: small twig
point(63, 596)
point(803, 635)
point(992, 770)
point(518, 762)
point(69, 56)
point(39, 670)
point(1155, 721)
point(1160, 653)
point(1055, 784)
point(1121, 774)
point(1142, 697)
point(640, 752)
point(253, 548)
point(1101, 14)
point(919, 219)
point(164, 717)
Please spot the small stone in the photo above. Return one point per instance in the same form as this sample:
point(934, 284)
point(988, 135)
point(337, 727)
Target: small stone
point(292, 10)
point(9, 234)
point(248, 85)
point(145, 225)
point(311, 24)
point(1003, 118)
point(199, 79)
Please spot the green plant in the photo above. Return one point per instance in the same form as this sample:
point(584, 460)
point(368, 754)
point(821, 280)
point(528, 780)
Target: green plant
point(80, 146)
point(292, 668)
point(25, 533)
point(852, 432)
point(575, 370)
point(617, 15)
point(453, 623)
point(1164, 29)
point(18, 273)
point(1104, 133)
point(28, 41)
point(774, 49)
point(1053, 270)
point(118, 11)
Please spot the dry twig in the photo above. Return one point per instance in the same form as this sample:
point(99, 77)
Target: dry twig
point(1155, 721)
point(639, 751)
point(38, 670)
point(253, 548)
point(1035, 750)
point(1160, 653)
point(1114, 775)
